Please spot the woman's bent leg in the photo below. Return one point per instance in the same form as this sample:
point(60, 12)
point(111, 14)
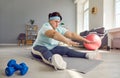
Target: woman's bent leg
point(46, 55)
point(43, 52)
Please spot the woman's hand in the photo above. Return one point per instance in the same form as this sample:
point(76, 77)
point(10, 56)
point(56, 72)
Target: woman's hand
point(71, 43)
point(90, 42)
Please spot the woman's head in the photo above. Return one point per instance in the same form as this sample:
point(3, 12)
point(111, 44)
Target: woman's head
point(54, 14)
point(54, 19)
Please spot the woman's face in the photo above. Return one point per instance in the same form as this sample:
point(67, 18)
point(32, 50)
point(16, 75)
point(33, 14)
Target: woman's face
point(55, 23)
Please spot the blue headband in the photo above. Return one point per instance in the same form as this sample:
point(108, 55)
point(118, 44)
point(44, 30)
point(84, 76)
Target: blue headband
point(55, 18)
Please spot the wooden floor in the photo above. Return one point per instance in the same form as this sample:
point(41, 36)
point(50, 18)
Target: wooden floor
point(108, 69)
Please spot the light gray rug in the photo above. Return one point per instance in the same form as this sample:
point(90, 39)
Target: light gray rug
point(81, 65)
point(78, 64)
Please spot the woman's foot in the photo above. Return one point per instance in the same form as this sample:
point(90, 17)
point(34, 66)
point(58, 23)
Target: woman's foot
point(93, 55)
point(58, 62)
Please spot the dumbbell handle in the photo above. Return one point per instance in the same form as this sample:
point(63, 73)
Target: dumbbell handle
point(17, 66)
point(22, 67)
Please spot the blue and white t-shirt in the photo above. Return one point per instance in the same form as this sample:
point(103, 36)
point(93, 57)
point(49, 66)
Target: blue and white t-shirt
point(43, 40)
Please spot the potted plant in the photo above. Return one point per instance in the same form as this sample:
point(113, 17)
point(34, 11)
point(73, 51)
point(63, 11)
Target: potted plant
point(62, 24)
point(32, 21)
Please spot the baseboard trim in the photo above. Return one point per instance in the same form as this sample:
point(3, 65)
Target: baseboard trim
point(2, 44)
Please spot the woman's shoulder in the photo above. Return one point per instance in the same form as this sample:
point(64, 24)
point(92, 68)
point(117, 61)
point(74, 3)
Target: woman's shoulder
point(46, 24)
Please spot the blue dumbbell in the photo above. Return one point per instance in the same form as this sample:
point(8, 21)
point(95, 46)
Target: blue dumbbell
point(23, 68)
point(9, 71)
point(13, 66)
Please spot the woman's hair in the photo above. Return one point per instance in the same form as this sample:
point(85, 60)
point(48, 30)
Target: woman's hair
point(55, 14)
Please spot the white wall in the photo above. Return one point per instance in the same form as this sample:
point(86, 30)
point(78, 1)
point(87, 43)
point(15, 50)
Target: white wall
point(14, 14)
point(96, 20)
point(108, 14)
point(103, 18)
point(105, 14)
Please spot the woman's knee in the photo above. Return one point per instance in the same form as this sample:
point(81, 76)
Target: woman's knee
point(40, 48)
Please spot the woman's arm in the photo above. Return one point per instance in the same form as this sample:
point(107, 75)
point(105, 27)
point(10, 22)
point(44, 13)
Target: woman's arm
point(57, 36)
point(74, 36)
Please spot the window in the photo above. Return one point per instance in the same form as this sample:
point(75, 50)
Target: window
point(86, 15)
point(82, 15)
point(117, 13)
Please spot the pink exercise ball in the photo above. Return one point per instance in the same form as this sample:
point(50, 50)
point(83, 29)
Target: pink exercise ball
point(95, 45)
